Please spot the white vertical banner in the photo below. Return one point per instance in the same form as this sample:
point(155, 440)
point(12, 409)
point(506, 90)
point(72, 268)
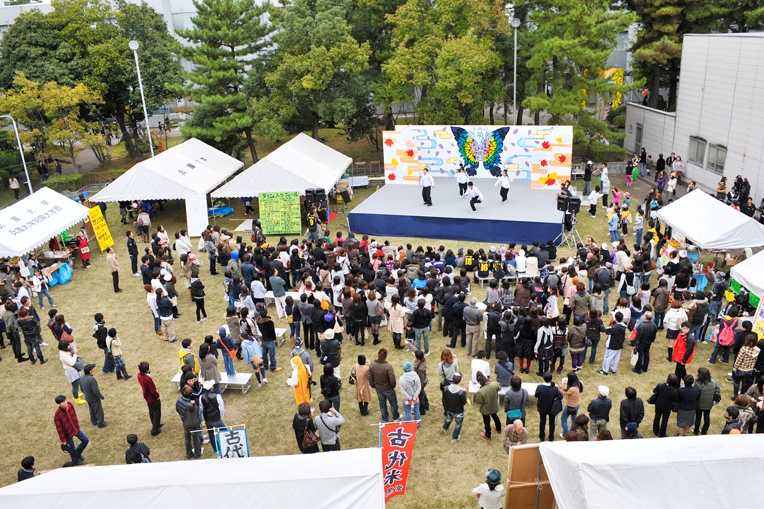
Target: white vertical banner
point(233, 443)
point(196, 214)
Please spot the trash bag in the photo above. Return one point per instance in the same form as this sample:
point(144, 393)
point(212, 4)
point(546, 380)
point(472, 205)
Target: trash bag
point(64, 274)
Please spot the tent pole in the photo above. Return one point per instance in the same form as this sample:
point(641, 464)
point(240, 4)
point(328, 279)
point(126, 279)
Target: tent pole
point(214, 221)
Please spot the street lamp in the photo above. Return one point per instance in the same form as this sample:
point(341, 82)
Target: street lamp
point(515, 22)
point(21, 152)
point(133, 45)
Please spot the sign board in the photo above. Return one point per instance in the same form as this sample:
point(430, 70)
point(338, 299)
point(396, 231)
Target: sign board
point(196, 214)
point(280, 213)
point(100, 228)
point(233, 443)
point(397, 450)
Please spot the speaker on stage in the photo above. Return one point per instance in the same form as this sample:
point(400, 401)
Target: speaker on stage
point(562, 203)
point(345, 196)
point(574, 204)
point(320, 195)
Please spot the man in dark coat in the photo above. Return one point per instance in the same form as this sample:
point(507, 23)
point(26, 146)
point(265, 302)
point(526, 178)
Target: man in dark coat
point(93, 396)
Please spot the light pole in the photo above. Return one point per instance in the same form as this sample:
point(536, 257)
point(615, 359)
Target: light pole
point(515, 24)
point(133, 45)
point(21, 152)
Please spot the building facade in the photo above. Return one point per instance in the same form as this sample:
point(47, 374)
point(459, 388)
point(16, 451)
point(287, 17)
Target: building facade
point(717, 127)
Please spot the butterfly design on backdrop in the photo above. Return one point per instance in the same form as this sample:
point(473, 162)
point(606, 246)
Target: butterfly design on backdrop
point(481, 147)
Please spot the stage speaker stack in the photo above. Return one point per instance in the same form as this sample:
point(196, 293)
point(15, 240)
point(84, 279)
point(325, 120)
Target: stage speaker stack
point(562, 203)
point(310, 198)
point(574, 204)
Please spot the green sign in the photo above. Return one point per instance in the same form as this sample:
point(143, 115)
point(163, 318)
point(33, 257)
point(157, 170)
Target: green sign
point(280, 213)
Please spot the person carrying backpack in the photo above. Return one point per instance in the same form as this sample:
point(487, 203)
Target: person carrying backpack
point(726, 337)
point(138, 452)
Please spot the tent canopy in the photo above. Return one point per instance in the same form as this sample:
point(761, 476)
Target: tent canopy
point(341, 480)
point(193, 167)
point(710, 224)
point(750, 273)
point(32, 221)
point(669, 472)
point(299, 164)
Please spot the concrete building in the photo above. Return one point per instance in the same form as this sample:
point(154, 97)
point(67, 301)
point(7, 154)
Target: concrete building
point(717, 126)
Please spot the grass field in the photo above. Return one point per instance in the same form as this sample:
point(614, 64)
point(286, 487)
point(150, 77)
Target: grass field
point(442, 474)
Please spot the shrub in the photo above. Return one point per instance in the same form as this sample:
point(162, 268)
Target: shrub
point(66, 182)
point(621, 110)
point(619, 121)
point(600, 152)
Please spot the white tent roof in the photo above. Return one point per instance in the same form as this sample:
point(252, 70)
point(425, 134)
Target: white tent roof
point(299, 164)
point(34, 220)
point(341, 480)
point(193, 167)
point(710, 224)
point(681, 472)
point(750, 273)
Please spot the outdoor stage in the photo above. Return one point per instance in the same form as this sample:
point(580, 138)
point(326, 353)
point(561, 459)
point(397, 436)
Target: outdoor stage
point(398, 211)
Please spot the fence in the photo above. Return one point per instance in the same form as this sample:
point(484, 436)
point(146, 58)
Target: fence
point(367, 168)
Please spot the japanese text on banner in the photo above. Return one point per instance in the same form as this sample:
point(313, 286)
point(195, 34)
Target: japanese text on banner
point(100, 228)
point(280, 213)
point(233, 443)
point(397, 450)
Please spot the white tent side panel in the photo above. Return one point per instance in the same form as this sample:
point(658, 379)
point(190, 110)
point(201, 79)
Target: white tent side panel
point(750, 273)
point(313, 148)
point(339, 480)
point(28, 223)
point(140, 183)
point(680, 473)
point(710, 224)
point(265, 176)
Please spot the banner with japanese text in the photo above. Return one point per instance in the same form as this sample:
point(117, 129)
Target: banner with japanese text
point(100, 228)
point(397, 449)
point(233, 443)
point(280, 212)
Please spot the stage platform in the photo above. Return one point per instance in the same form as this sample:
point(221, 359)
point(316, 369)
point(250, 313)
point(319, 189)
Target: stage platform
point(398, 211)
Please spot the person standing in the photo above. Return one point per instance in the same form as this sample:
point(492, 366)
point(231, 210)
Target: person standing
point(687, 404)
point(599, 411)
point(461, 179)
point(314, 223)
point(114, 344)
point(93, 396)
point(488, 399)
point(588, 168)
point(490, 493)
point(614, 345)
point(410, 386)
point(279, 292)
point(546, 395)
point(59, 171)
point(665, 400)
point(188, 410)
point(421, 320)
point(27, 470)
point(111, 260)
point(504, 182)
point(68, 427)
point(42, 169)
point(472, 318)
point(81, 241)
point(151, 395)
point(328, 426)
point(632, 410)
point(138, 452)
point(426, 182)
point(268, 334)
point(646, 333)
point(14, 185)
point(382, 379)
point(213, 410)
point(197, 292)
point(642, 161)
point(475, 196)
point(360, 375)
point(454, 400)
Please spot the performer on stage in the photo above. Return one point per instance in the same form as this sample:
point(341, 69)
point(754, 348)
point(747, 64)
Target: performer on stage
point(427, 183)
point(504, 181)
point(461, 178)
point(475, 196)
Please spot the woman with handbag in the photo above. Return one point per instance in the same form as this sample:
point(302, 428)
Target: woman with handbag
point(359, 377)
point(710, 394)
point(515, 400)
point(305, 429)
point(69, 360)
point(665, 399)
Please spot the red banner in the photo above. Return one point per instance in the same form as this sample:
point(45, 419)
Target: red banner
point(397, 450)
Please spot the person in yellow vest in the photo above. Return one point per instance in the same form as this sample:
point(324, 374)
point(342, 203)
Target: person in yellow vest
point(186, 355)
point(300, 381)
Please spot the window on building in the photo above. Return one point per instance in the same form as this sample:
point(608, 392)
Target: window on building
point(697, 151)
point(716, 157)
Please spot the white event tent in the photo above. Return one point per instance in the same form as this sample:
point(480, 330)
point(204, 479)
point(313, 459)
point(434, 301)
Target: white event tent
point(299, 164)
point(750, 273)
point(676, 472)
point(28, 223)
point(342, 480)
point(185, 172)
point(710, 224)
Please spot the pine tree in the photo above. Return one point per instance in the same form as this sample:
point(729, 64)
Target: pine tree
point(226, 36)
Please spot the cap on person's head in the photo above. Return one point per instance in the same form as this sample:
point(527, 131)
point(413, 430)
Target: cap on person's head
point(682, 254)
point(328, 317)
point(492, 249)
point(407, 366)
point(222, 332)
point(298, 342)
point(631, 426)
point(456, 377)
point(493, 476)
point(208, 385)
point(603, 390)
point(88, 367)
point(329, 334)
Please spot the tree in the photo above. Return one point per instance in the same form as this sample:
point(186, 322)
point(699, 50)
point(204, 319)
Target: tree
point(318, 67)
point(658, 48)
point(226, 36)
point(25, 104)
point(569, 45)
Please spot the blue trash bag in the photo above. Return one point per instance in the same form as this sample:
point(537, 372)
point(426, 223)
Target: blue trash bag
point(64, 274)
point(53, 280)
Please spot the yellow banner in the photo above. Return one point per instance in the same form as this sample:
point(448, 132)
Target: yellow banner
point(101, 229)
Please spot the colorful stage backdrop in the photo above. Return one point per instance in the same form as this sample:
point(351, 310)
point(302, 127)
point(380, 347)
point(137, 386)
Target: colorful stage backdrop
point(541, 154)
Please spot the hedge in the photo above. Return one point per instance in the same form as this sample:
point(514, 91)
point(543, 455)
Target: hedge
point(76, 181)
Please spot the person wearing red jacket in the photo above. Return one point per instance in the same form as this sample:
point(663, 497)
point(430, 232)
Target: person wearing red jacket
point(151, 395)
point(68, 427)
point(684, 349)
